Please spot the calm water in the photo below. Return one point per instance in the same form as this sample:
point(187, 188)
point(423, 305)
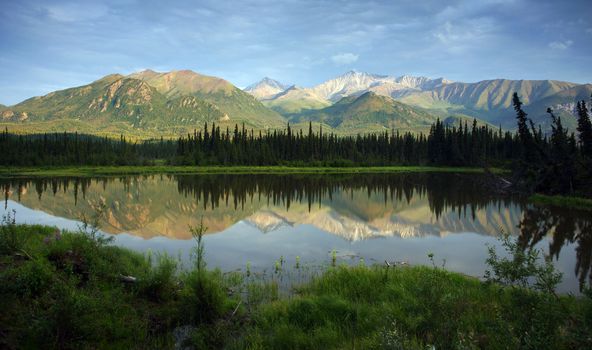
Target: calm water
point(259, 218)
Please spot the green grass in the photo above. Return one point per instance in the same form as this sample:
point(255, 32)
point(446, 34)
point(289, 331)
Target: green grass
point(64, 290)
point(163, 169)
point(562, 201)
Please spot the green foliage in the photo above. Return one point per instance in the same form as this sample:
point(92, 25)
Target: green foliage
point(160, 283)
point(562, 201)
point(444, 145)
point(522, 267)
point(558, 166)
point(203, 299)
point(197, 234)
point(11, 241)
point(67, 293)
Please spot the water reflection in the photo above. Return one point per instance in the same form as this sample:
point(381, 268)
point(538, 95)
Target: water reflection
point(564, 227)
point(149, 206)
point(404, 210)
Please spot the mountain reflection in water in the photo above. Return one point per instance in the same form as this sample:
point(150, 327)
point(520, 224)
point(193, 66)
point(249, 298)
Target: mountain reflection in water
point(353, 207)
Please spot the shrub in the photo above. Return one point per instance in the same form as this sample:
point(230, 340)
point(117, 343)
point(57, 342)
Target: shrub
point(522, 268)
point(203, 299)
point(160, 282)
point(11, 239)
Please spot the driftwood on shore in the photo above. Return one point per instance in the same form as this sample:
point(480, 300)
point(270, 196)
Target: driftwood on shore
point(497, 183)
point(128, 279)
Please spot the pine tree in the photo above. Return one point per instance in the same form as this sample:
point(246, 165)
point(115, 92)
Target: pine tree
point(526, 138)
point(561, 170)
point(584, 129)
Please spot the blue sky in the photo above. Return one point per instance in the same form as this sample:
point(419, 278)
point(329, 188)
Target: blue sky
point(49, 45)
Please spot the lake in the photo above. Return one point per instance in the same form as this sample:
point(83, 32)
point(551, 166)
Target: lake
point(257, 220)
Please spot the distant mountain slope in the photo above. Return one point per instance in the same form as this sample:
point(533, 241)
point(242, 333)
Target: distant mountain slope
point(266, 88)
point(143, 104)
point(237, 104)
point(487, 100)
point(295, 100)
point(490, 100)
point(151, 104)
point(563, 104)
point(111, 103)
point(356, 83)
point(497, 94)
point(370, 111)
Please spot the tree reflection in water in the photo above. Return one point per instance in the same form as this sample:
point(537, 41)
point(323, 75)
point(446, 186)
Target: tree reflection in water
point(461, 193)
point(564, 226)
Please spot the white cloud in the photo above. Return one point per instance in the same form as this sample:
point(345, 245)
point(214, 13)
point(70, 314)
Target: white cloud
point(560, 45)
point(344, 58)
point(76, 12)
point(589, 30)
point(465, 35)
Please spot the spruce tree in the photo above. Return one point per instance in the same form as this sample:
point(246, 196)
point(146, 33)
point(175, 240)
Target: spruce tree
point(584, 129)
point(561, 170)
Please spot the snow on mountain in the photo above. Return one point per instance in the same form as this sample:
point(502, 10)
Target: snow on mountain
point(266, 88)
point(356, 83)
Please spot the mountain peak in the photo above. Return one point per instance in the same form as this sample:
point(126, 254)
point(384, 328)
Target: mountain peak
point(267, 82)
point(266, 88)
point(369, 94)
point(109, 78)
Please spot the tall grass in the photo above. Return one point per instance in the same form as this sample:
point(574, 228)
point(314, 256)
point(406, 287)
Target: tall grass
point(67, 292)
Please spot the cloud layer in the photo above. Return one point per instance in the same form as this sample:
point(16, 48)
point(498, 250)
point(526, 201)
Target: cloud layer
point(344, 58)
point(52, 44)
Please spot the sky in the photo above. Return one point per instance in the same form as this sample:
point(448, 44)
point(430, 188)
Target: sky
point(47, 45)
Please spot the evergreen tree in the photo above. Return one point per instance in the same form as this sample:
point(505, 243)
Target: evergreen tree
point(584, 129)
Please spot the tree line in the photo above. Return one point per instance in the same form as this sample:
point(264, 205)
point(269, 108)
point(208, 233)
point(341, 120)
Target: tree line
point(458, 145)
point(558, 163)
point(67, 149)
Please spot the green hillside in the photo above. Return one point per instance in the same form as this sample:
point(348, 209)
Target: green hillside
point(369, 112)
point(238, 105)
point(145, 104)
point(151, 104)
point(295, 100)
point(111, 105)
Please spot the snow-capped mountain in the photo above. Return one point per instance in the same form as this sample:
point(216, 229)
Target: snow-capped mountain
point(351, 83)
point(357, 83)
point(266, 88)
point(487, 100)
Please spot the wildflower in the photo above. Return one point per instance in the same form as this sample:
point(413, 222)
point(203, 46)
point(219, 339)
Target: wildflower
point(57, 234)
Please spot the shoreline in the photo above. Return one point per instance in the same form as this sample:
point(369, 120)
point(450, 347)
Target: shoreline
point(87, 293)
point(87, 171)
point(579, 203)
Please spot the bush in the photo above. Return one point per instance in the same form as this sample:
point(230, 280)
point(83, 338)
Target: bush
point(11, 240)
point(203, 300)
point(160, 283)
point(522, 268)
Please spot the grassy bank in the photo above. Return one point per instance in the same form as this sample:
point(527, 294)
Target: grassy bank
point(562, 201)
point(72, 291)
point(163, 169)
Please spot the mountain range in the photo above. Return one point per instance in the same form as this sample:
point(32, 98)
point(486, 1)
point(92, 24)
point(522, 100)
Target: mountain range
point(153, 104)
point(143, 104)
point(488, 100)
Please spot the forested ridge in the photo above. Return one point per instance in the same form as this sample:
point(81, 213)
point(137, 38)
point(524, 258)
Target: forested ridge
point(444, 145)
